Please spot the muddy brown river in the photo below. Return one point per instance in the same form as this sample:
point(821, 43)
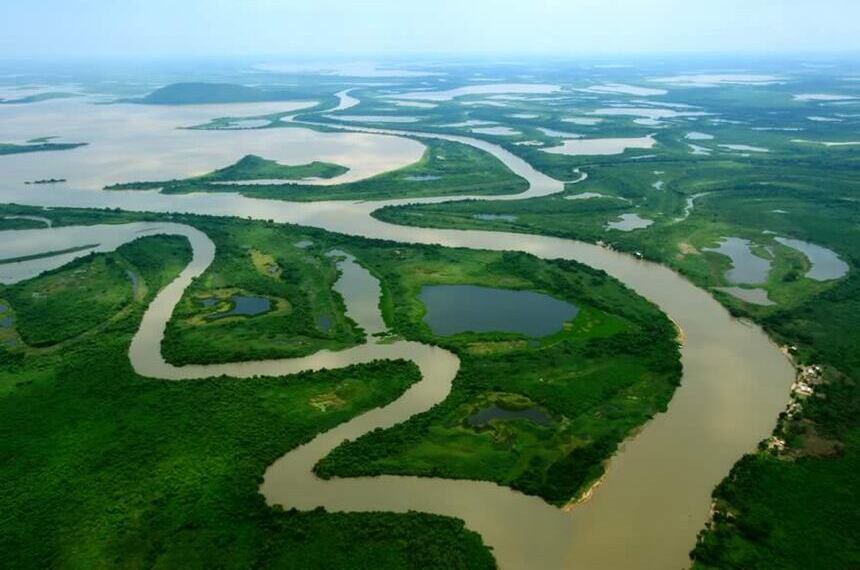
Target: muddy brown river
point(656, 493)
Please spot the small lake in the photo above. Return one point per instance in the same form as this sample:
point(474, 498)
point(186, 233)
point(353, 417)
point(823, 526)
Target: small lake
point(825, 263)
point(421, 178)
point(629, 222)
point(496, 131)
point(744, 147)
point(597, 147)
point(484, 416)
point(697, 136)
point(453, 309)
point(244, 306)
point(495, 217)
point(323, 323)
point(746, 266)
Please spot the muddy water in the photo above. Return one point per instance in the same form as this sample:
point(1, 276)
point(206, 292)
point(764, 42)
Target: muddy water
point(655, 496)
point(137, 143)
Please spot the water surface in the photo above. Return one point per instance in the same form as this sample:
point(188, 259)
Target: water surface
point(453, 309)
point(747, 268)
point(825, 264)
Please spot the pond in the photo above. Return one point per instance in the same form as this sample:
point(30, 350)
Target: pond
point(323, 323)
point(629, 222)
point(421, 178)
point(245, 306)
point(825, 264)
point(496, 131)
point(595, 147)
point(495, 217)
point(484, 416)
point(453, 309)
point(746, 266)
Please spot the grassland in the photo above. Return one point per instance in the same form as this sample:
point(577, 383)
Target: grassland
point(446, 168)
point(101, 467)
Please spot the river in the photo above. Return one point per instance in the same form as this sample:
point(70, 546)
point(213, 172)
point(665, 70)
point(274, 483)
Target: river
point(656, 492)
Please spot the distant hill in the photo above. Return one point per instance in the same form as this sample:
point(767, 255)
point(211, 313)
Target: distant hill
point(189, 93)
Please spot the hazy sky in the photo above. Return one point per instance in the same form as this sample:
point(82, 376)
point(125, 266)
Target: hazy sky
point(402, 27)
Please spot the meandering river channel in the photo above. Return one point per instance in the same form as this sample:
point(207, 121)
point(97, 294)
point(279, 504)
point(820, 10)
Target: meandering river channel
point(656, 493)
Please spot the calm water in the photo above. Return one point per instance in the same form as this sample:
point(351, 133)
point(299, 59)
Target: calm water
point(825, 264)
point(244, 305)
point(495, 217)
point(595, 147)
point(453, 309)
point(629, 222)
point(755, 296)
point(656, 493)
point(747, 268)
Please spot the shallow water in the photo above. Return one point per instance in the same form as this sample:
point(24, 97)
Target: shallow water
point(744, 147)
point(495, 217)
point(496, 131)
point(595, 147)
point(755, 296)
point(135, 143)
point(825, 264)
point(629, 222)
point(421, 178)
point(244, 305)
point(447, 95)
point(747, 268)
point(453, 309)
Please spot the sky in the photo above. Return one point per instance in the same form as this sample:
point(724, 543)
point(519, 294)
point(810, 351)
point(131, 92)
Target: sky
point(309, 28)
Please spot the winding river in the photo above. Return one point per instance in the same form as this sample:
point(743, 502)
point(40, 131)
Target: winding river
point(656, 493)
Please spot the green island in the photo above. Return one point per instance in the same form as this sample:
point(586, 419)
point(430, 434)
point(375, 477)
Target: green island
point(12, 148)
point(445, 169)
point(603, 374)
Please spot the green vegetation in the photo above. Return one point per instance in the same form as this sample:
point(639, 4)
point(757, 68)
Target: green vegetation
point(446, 168)
point(37, 98)
point(763, 515)
point(255, 168)
point(609, 370)
point(11, 148)
point(101, 467)
point(250, 167)
point(66, 302)
point(260, 260)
